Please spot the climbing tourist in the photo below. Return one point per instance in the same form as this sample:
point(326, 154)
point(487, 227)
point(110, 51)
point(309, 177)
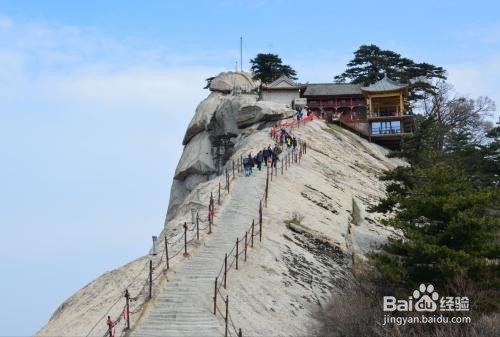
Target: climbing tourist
point(110, 324)
point(258, 159)
point(294, 143)
point(269, 155)
point(248, 165)
point(265, 154)
point(274, 159)
point(277, 149)
point(299, 116)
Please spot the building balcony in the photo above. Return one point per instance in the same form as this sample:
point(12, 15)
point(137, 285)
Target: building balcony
point(336, 104)
point(386, 131)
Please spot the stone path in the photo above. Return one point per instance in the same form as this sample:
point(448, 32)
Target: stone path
point(183, 308)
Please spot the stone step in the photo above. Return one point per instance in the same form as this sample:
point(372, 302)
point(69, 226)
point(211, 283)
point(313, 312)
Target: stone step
point(183, 306)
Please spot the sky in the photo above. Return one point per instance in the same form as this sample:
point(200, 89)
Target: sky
point(95, 97)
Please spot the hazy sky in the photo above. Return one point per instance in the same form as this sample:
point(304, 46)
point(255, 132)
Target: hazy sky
point(95, 97)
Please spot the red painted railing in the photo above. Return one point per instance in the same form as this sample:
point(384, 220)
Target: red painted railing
point(291, 124)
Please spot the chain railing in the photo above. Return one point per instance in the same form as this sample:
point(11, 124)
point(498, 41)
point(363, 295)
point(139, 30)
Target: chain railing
point(135, 304)
point(221, 295)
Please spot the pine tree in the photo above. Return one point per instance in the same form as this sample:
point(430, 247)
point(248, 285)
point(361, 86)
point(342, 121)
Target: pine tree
point(370, 63)
point(269, 67)
point(447, 208)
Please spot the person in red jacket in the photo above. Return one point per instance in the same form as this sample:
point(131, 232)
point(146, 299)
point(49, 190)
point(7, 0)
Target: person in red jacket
point(110, 324)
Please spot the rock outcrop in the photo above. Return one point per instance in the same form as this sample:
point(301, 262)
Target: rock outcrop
point(196, 157)
point(261, 111)
point(230, 108)
point(229, 81)
point(202, 116)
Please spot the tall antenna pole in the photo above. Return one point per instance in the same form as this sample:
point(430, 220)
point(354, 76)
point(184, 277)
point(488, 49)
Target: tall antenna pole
point(241, 53)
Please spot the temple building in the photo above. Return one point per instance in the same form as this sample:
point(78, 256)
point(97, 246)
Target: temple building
point(387, 113)
point(378, 112)
point(331, 100)
point(283, 90)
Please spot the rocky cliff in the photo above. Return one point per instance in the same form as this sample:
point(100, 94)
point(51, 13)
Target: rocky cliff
point(314, 224)
point(218, 122)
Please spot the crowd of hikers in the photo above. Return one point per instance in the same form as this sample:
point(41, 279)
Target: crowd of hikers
point(270, 155)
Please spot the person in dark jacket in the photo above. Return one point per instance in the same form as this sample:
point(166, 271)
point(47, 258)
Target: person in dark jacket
point(269, 155)
point(248, 165)
point(294, 143)
point(258, 160)
point(274, 159)
point(264, 156)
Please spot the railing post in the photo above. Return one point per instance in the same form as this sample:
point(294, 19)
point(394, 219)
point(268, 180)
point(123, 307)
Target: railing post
point(240, 334)
point(127, 308)
point(260, 230)
point(233, 168)
point(260, 212)
point(225, 270)
point(210, 225)
point(227, 181)
point(210, 216)
point(246, 244)
point(166, 252)
point(271, 170)
point(218, 198)
point(215, 297)
point(227, 314)
point(197, 227)
point(150, 278)
point(185, 239)
point(237, 249)
point(281, 166)
point(267, 185)
point(286, 162)
point(253, 230)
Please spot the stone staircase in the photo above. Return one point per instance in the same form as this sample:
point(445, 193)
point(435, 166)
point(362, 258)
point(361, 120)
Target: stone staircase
point(183, 307)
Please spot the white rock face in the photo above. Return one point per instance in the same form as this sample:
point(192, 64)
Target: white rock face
point(287, 276)
point(226, 114)
point(229, 108)
point(227, 81)
point(204, 113)
point(262, 111)
point(196, 157)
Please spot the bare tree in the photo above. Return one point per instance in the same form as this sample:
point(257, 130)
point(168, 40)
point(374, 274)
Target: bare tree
point(457, 113)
